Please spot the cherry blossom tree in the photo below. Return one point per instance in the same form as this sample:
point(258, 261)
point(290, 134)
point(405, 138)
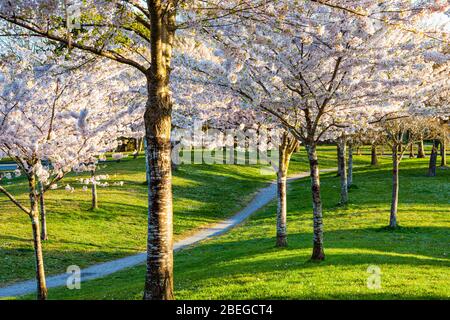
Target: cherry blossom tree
point(205, 72)
point(140, 34)
point(53, 121)
point(319, 71)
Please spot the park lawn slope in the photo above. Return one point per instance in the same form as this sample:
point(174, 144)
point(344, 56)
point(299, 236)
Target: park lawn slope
point(244, 264)
point(203, 195)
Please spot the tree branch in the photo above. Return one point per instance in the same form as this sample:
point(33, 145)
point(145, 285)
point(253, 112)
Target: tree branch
point(104, 53)
point(17, 203)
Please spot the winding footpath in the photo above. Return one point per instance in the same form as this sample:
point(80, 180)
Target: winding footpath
point(263, 197)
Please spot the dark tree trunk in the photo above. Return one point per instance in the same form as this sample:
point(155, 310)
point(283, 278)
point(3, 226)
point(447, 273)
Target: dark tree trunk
point(395, 187)
point(339, 165)
point(420, 149)
point(374, 156)
point(350, 166)
point(39, 258)
point(433, 160)
point(443, 152)
point(94, 191)
point(44, 234)
point(318, 250)
point(343, 171)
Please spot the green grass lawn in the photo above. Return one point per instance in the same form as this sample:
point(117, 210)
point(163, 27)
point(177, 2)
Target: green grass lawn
point(244, 264)
point(203, 195)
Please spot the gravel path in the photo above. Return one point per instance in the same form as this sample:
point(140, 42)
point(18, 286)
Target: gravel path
point(263, 197)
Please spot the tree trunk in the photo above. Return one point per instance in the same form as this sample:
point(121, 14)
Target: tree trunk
point(159, 276)
point(433, 160)
point(420, 149)
point(374, 156)
point(443, 153)
point(39, 258)
point(411, 151)
point(174, 162)
point(338, 152)
point(94, 191)
point(350, 166)
point(234, 150)
point(281, 191)
point(395, 187)
point(147, 167)
point(138, 147)
point(318, 251)
point(343, 170)
point(158, 122)
point(225, 153)
point(44, 234)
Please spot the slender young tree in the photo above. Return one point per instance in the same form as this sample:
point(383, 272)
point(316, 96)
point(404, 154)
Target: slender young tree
point(350, 165)
point(44, 118)
point(444, 141)
point(342, 150)
point(44, 234)
point(286, 149)
point(401, 134)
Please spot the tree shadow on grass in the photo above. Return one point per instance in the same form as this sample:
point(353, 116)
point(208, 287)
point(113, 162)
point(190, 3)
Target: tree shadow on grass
point(374, 186)
point(351, 296)
point(18, 263)
point(386, 247)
